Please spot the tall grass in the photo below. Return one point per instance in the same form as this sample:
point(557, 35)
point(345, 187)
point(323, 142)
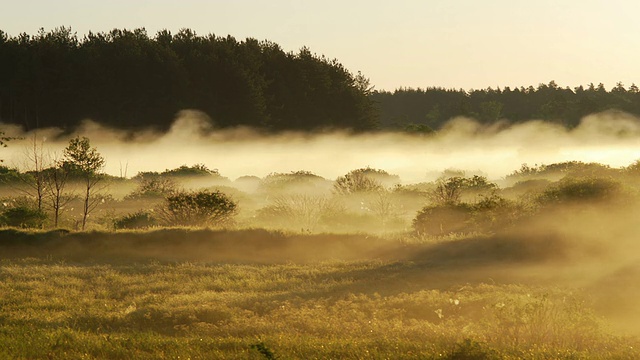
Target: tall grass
point(333, 309)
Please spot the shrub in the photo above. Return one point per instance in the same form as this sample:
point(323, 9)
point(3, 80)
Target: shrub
point(137, 220)
point(154, 187)
point(195, 170)
point(23, 217)
point(494, 212)
point(450, 190)
point(574, 190)
point(364, 180)
point(442, 219)
point(200, 208)
point(558, 171)
point(10, 176)
point(183, 171)
point(298, 211)
point(295, 180)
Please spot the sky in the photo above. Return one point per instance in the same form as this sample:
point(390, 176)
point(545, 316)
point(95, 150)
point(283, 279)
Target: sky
point(461, 44)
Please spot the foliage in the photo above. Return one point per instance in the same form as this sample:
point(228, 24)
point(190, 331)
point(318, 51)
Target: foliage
point(557, 171)
point(10, 176)
point(580, 190)
point(80, 158)
point(364, 180)
point(154, 187)
point(408, 108)
point(187, 171)
point(443, 219)
point(295, 180)
point(138, 220)
point(23, 217)
point(201, 208)
point(449, 191)
point(58, 79)
point(494, 213)
point(489, 214)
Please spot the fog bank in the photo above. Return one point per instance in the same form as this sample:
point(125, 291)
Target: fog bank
point(611, 138)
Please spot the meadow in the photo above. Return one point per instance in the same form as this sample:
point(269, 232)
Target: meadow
point(542, 267)
point(177, 294)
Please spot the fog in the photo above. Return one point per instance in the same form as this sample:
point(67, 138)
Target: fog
point(588, 245)
point(611, 138)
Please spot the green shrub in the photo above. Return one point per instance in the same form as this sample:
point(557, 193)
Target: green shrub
point(10, 176)
point(576, 190)
point(450, 190)
point(364, 180)
point(23, 217)
point(195, 170)
point(137, 220)
point(493, 213)
point(490, 214)
point(154, 187)
point(201, 208)
point(301, 180)
point(443, 219)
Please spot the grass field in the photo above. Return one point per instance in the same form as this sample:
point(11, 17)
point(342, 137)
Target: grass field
point(252, 294)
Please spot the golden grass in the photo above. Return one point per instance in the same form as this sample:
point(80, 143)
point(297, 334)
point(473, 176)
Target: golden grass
point(254, 294)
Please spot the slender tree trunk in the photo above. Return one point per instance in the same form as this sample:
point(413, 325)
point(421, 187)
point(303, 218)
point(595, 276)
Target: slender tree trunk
point(86, 204)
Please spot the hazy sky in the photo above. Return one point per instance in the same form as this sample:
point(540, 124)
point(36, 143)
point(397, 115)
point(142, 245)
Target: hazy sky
point(402, 43)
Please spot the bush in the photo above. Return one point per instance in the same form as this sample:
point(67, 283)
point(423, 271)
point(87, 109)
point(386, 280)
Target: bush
point(201, 208)
point(298, 211)
point(187, 171)
point(10, 176)
point(137, 220)
point(572, 190)
point(450, 190)
point(183, 171)
point(364, 180)
point(494, 213)
point(154, 187)
point(23, 217)
point(294, 181)
point(442, 219)
point(558, 171)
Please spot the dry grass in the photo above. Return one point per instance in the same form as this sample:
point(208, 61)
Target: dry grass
point(443, 301)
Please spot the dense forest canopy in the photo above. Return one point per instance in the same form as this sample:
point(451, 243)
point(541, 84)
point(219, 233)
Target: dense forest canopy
point(427, 109)
point(129, 80)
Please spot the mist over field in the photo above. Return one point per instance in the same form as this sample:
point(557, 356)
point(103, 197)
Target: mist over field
point(610, 138)
point(518, 258)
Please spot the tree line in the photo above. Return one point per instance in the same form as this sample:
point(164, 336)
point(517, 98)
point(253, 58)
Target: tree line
point(425, 110)
point(127, 79)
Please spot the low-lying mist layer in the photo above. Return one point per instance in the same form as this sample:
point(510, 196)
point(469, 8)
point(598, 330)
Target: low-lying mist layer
point(611, 138)
point(570, 223)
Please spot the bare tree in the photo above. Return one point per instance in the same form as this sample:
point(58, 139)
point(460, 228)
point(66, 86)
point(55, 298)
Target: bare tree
point(383, 206)
point(298, 210)
point(36, 178)
point(56, 178)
